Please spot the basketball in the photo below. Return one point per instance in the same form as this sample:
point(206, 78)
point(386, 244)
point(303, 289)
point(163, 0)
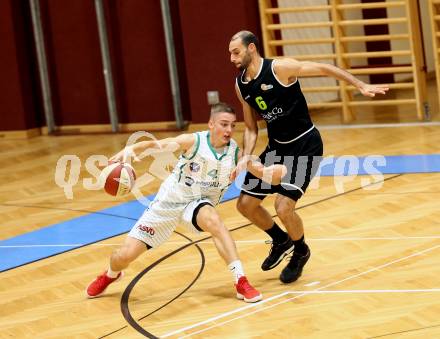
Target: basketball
point(118, 178)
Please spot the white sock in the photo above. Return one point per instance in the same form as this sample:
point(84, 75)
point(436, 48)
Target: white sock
point(236, 269)
point(112, 274)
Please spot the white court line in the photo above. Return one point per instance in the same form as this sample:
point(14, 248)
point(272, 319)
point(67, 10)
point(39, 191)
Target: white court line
point(224, 315)
point(375, 238)
point(283, 301)
point(428, 237)
point(365, 291)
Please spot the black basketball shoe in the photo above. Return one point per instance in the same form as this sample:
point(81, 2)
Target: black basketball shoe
point(277, 252)
point(294, 268)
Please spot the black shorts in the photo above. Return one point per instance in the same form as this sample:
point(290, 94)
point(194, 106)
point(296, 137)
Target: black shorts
point(301, 157)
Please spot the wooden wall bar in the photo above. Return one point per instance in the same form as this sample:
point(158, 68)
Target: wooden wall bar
point(340, 26)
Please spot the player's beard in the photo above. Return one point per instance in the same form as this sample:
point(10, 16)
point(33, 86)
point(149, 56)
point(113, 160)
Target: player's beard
point(246, 61)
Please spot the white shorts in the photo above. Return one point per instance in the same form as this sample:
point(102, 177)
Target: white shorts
point(161, 218)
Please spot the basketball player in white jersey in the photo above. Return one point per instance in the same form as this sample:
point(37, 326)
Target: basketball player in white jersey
point(188, 196)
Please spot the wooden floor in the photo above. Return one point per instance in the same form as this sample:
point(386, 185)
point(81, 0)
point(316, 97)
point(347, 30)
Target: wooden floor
point(374, 270)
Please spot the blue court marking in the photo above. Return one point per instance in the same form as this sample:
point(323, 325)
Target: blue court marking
point(70, 234)
point(107, 223)
point(374, 164)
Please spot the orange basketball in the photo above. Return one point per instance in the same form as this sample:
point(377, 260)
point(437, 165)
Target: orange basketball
point(118, 178)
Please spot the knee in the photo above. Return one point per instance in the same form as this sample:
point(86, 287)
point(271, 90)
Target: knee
point(214, 224)
point(244, 208)
point(284, 210)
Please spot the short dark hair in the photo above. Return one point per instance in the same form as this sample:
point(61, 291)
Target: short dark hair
point(247, 38)
point(221, 107)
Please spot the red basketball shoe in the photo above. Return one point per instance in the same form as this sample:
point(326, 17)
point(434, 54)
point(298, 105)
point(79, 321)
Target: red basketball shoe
point(246, 292)
point(98, 286)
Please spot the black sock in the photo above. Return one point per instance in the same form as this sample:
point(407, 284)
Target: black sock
point(277, 234)
point(300, 246)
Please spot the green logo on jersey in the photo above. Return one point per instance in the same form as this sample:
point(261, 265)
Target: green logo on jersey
point(260, 102)
point(213, 174)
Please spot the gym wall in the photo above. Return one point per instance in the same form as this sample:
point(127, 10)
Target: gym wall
point(202, 31)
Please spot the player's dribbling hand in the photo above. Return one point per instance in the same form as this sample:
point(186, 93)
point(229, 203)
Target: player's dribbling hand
point(125, 155)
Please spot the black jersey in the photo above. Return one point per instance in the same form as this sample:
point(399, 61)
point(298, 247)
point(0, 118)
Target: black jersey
point(284, 108)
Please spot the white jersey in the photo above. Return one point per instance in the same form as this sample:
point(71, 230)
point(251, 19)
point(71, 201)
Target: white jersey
point(199, 178)
point(204, 174)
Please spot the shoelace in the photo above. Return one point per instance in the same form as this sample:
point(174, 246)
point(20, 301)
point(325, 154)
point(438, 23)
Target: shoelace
point(246, 286)
point(273, 245)
point(101, 279)
point(295, 257)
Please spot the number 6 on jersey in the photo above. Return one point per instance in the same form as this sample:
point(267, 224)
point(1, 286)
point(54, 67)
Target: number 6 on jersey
point(260, 102)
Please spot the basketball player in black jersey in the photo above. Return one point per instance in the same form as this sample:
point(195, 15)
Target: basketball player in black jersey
point(270, 88)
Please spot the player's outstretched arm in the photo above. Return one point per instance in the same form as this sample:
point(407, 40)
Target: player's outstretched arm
point(142, 149)
point(290, 68)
